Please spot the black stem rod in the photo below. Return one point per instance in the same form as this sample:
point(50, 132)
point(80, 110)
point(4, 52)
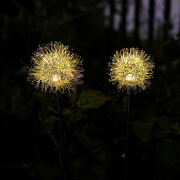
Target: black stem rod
point(61, 144)
point(127, 129)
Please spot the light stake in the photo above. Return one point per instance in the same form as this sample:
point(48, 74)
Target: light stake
point(55, 69)
point(130, 69)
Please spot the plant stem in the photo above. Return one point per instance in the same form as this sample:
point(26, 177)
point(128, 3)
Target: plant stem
point(61, 144)
point(127, 129)
point(53, 139)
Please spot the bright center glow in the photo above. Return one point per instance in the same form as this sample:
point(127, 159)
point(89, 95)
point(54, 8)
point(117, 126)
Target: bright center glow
point(130, 77)
point(55, 77)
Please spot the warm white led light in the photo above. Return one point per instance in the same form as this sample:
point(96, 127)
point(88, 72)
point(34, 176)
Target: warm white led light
point(55, 68)
point(131, 69)
point(55, 77)
point(130, 77)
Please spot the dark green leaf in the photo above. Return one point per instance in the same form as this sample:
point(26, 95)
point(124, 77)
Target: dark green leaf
point(92, 99)
point(161, 134)
point(176, 127)
point(164, 122)
point(21, 112)
point(48, 123)
point(143, 130)
point(148, 115)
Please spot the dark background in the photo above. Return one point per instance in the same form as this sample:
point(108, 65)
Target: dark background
point(95, 123)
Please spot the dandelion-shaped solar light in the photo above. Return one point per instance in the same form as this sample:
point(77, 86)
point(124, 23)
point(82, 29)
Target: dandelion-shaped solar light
point(130, 69)
point(56, 69)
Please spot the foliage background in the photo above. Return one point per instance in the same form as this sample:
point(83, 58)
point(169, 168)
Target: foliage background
point(94, 127)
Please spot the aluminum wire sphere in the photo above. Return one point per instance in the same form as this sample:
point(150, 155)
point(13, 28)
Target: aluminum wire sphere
point(131, 69)
point(54, 68)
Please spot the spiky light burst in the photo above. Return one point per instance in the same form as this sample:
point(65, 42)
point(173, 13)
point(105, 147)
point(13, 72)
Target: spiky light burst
point(131, 69)
point(55, 68)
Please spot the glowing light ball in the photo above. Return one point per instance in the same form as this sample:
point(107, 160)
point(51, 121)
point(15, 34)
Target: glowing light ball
point(131, 69)
point(54, 68)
